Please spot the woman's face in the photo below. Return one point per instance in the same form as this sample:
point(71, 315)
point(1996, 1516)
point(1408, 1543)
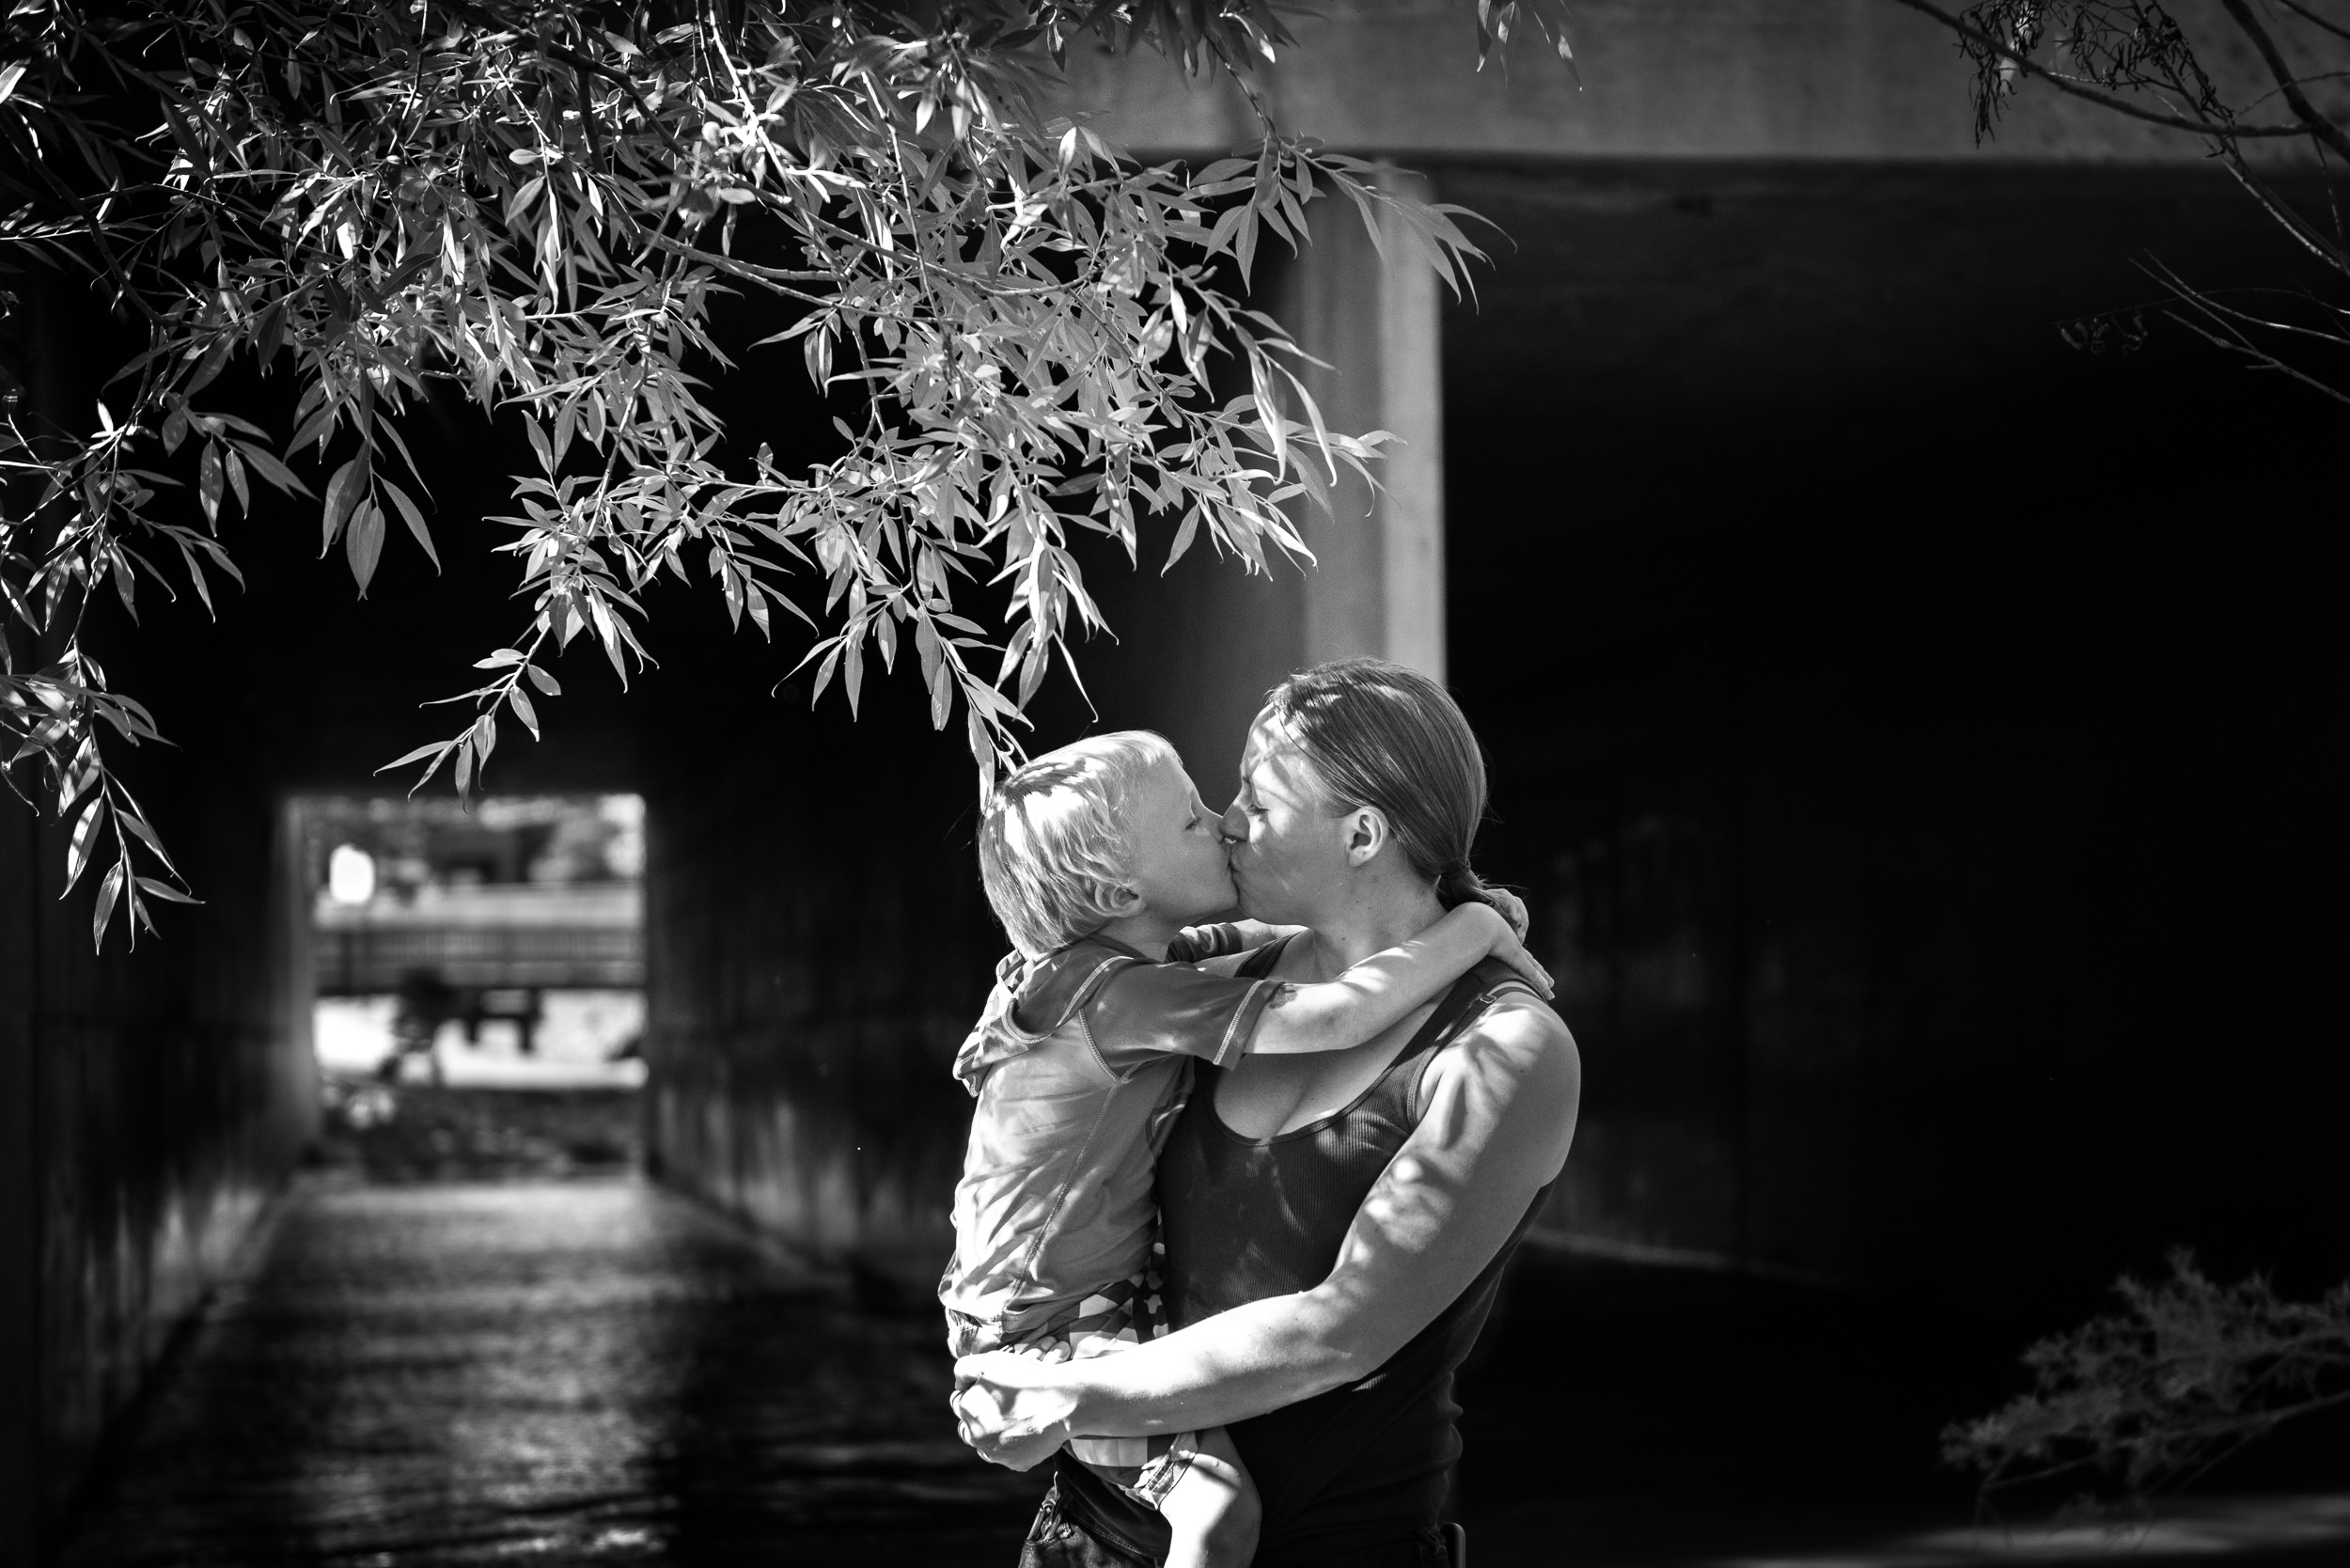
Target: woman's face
point(1288, 848)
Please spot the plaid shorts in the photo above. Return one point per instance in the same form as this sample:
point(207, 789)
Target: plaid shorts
point(1116, 1317)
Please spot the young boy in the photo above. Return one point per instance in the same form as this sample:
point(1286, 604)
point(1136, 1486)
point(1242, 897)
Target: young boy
point(1096, 857)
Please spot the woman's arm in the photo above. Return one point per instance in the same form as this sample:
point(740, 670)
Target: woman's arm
point(1373, 997)
point(1501, 1116)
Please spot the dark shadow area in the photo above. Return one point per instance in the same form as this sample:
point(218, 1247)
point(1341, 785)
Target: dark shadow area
point(1909, 733)
point(1622, 1415)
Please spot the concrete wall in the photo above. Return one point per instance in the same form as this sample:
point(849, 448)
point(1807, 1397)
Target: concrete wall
point(153, 1101)
point(1904, 727)
point(815, 952)
point(1768, 79)
point(150, 1101)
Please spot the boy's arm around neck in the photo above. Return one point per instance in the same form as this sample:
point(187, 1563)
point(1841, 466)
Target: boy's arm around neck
point(1370, 998)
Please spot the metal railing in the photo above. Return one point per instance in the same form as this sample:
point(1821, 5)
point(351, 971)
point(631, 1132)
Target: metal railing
point(522, 939)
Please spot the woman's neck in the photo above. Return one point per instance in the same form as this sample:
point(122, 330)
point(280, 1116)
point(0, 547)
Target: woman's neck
point(1371, 916)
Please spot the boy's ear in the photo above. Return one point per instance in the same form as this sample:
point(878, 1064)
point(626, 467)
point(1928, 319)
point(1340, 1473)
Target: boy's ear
point(1123, 901)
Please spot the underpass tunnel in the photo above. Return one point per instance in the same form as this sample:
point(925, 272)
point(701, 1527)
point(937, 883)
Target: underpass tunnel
point(497, 953)
point(797, 906)
point(1908, 735)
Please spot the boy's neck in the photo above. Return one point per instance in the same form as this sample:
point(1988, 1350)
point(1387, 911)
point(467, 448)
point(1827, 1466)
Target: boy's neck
point(1146, 932)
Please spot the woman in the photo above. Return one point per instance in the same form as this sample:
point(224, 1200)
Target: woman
point(1336, 1225)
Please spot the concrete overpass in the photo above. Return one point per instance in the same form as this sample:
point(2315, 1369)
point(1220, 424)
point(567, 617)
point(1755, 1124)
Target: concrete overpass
point(1901, 726)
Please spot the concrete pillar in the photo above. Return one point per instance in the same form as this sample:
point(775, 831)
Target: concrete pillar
point(1375, 325)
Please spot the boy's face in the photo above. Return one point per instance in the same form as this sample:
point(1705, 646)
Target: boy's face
point(1178, 866)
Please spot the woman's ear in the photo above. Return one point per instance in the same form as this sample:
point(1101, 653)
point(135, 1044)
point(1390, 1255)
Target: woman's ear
point(1366, 830)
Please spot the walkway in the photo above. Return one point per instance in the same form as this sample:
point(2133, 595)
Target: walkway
point(447, 1375)
point(552, 1373)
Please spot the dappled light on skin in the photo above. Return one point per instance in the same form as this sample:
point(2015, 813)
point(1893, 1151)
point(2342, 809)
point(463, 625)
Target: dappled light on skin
point(1410, 1204)
point(2215, 1529)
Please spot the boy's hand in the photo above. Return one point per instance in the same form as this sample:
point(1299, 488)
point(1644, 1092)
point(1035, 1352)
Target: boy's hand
point(1512, 951)
point(1009, 1409)
point(1223, 939)
point(1513, 909)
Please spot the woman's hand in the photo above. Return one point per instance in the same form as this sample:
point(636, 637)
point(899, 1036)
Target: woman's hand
point(1011, 1409)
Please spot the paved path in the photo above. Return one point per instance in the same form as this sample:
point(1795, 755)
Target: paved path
point(589, 1372)
point(552, 1373)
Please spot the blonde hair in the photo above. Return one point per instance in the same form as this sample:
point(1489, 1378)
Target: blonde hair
point(1054, 850)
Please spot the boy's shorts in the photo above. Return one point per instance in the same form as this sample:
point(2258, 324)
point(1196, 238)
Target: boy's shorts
point(1114, 1318)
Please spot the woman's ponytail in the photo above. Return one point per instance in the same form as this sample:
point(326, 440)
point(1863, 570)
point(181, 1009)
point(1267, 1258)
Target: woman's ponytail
point(1457, 884)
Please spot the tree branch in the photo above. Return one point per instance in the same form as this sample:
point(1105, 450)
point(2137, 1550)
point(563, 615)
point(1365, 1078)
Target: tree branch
point(2313, 19)
point(2103, 99)
point(2329, 251)
point(2319, 126)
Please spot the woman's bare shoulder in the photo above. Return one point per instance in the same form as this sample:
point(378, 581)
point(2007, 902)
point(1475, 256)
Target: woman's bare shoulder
point(1518, 1021)
point(1516, 1059)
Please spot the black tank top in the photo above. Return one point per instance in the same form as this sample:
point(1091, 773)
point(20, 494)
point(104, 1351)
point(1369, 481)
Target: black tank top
point(1360, 1467)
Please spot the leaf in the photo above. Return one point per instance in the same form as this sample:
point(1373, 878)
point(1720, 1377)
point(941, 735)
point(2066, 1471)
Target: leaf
point(342, 493)
point(128, 817)
point(1184, 533)
point(942, 699)
point(270, 335)
point(215, 359)
point(852, 672)
point(238, 483)
point(208, 482)
point(318, 426)
point(273, 471)
point(164, 891)
point(85, 839)
point(823, 676)
point(109, 891)
point(364, 543)
point(544, 682)
point(521, 704)
point(415, 519)
point(435, 749)
point(538, 444)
